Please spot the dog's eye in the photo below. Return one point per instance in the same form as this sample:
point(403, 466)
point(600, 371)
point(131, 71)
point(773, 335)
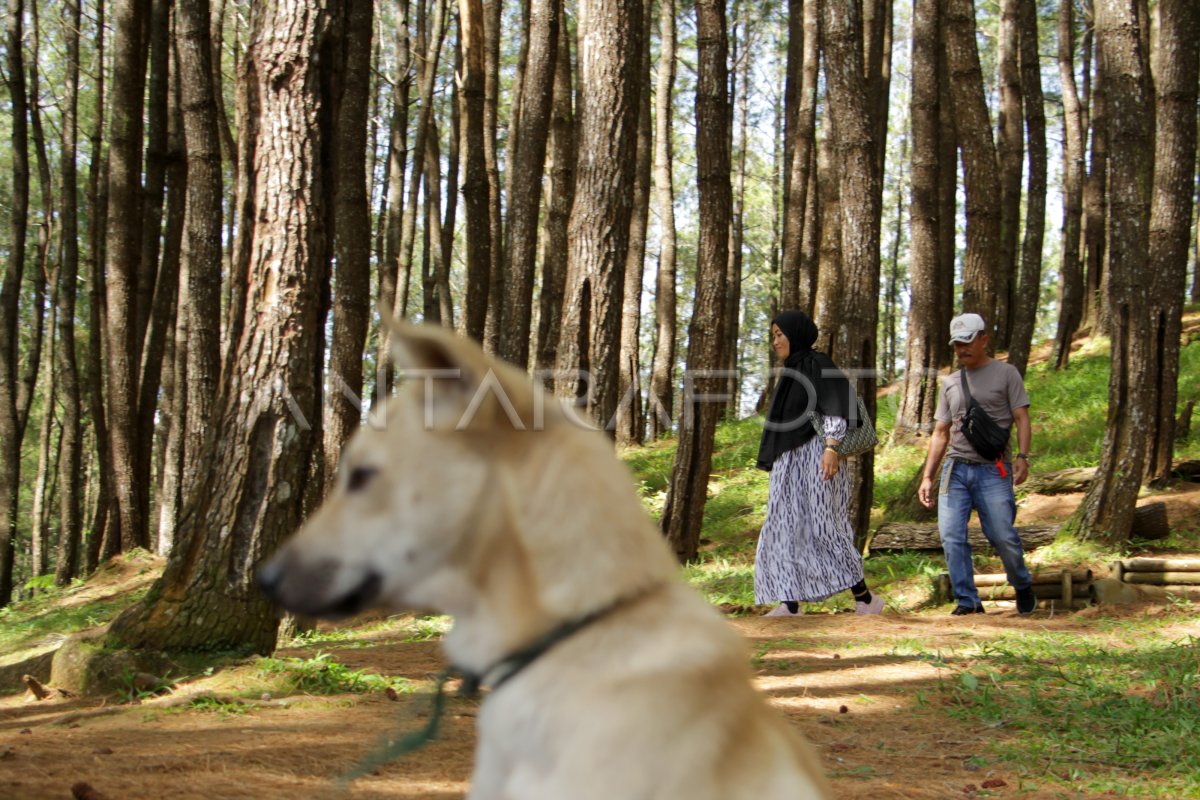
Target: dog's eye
point(359, 477)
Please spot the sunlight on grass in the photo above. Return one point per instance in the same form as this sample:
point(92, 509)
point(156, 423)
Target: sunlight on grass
point(1092, 711)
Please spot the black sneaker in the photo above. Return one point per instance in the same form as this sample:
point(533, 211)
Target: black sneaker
point(1026, 600)
point(962, 611)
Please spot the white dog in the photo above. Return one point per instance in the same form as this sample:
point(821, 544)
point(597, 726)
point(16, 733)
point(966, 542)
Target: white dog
point(610, 678)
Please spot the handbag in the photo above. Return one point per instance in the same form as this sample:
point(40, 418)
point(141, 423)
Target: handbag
point(988, 438)
point(857, 440)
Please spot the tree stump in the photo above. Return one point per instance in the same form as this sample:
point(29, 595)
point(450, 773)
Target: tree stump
point(1150, 522)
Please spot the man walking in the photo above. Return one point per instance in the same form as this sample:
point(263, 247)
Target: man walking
point(968, 480)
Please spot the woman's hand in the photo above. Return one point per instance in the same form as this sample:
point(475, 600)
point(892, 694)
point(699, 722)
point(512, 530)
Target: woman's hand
point(831, 462)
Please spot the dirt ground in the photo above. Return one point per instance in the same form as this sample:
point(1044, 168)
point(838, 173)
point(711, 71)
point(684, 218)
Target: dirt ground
point(873, 716)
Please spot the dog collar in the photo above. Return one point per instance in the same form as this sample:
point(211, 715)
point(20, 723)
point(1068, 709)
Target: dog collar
point(511, 665)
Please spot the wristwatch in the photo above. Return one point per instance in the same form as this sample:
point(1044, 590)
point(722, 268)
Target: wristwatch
point(1022, 455)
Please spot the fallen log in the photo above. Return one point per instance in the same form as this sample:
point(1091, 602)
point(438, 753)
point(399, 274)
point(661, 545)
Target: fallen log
point(1051, 604)
point(1163, 578)
point(924, 536)
point(1063, 481)
point(1054, 577)
point(1040, 591)
point(1144, 564)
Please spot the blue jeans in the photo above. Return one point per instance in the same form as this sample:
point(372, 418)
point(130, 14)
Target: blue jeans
point(981, 487)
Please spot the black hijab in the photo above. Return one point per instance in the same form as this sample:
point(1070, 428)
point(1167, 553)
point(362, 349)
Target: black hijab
point(809, 380)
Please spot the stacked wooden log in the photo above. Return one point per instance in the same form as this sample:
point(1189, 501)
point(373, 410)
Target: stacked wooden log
point(1160, 578)
point(1059, 589)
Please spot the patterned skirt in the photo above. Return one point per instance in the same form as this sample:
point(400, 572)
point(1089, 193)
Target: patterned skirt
point(806, 547)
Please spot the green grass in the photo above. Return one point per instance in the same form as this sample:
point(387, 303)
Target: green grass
point(24, 624)
point(1089, 712)
point(320, 675)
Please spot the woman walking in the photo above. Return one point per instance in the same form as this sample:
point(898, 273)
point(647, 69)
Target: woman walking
point(806, 548)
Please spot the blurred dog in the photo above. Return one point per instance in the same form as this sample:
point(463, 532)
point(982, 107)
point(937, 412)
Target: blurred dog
point(611, 679)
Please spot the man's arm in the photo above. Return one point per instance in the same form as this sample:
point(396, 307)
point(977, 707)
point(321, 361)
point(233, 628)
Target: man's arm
point(938, 442)
point(1024, 442)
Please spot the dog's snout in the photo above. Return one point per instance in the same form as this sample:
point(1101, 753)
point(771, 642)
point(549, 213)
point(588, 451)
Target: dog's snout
point(269, 578)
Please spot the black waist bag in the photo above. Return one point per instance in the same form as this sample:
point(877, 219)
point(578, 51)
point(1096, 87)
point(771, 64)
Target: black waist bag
point(987, 437)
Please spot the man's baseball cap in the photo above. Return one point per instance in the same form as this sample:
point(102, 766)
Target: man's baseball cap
point(965, 327)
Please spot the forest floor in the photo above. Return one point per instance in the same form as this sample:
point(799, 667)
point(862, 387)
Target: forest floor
point(893, 704)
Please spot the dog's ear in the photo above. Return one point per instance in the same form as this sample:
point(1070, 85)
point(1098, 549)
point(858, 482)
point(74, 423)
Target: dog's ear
point(462, 387)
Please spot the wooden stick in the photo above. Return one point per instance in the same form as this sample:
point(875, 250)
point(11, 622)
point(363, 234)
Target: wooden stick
point(1065, 588)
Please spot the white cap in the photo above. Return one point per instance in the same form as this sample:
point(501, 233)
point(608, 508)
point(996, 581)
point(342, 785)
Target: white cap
point(965, 327)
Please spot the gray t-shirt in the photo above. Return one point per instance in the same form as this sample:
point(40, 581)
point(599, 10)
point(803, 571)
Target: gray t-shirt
point(997, 386)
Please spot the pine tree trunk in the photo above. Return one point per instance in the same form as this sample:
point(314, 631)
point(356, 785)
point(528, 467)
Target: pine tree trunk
point(1107, 509)
point(1095, 209)
point(1070, 291)
point(258, 461)
point(352, 234)
point(477, 235)
point(393, 214)
point(981, 265)
point(611, 37)
point(1029, 289)
point(661, 397)
point(1010, 150)
point(70, 463)
point(926, 330)
point(827, 304)
point(855, 153)
point(684, 511)
point(527, 160)
point(10, 291)
point(122, 255)
point(491, 121)
point(560, 195)
point(801, 148)
point(1176, 69)
point(630, 421)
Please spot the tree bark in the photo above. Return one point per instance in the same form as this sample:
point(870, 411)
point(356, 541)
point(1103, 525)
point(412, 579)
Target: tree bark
point(1070, 291)
point(1107, 510)
point(661, 397)
point(70, 462)
point(856, 154)
point(393, 215)
point(122, 254)
point(352, 234)
point(927, 317)
point(802, 149)
point(611, 38)
point(1095, 199)
point(1028, 290)
point(10, 291)
point(981, 267)
point(527, 160)
point(630, 419)
point(491, 121)
point(202, 249)
point(428, 75)
point(1010, 151)
point(684, 511)
point(1176, 68)
point(258, 460)
point(558, 202)
point(477, 235)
